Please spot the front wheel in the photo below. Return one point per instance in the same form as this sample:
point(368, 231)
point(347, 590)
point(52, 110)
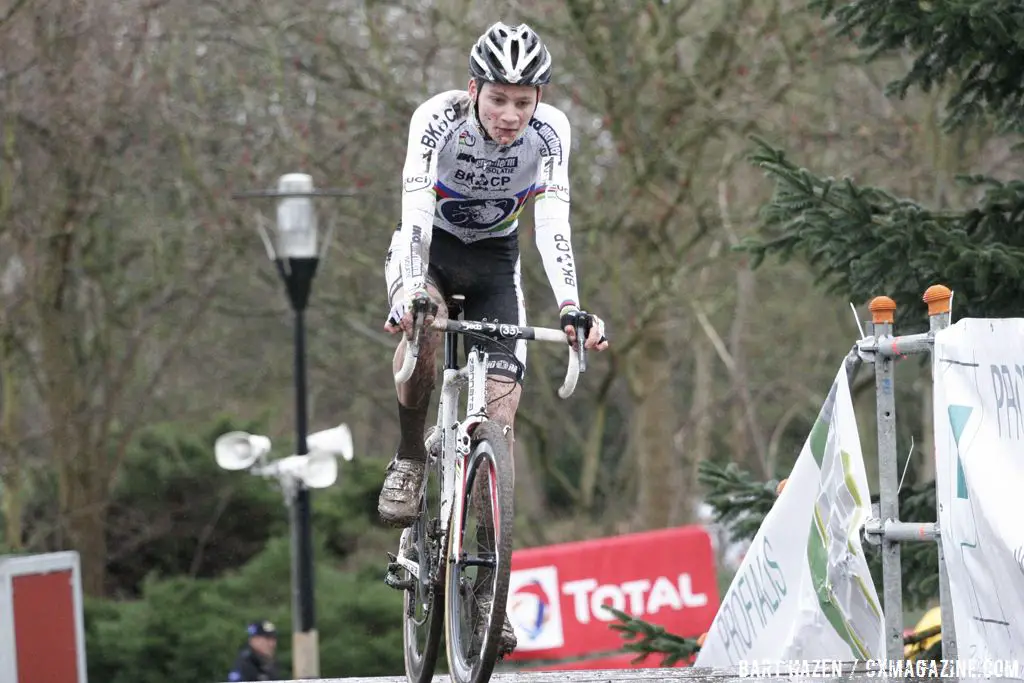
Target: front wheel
point(480, 558)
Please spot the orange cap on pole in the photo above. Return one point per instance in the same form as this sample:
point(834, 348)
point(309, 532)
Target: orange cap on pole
point(882, 310)
point(938, 298)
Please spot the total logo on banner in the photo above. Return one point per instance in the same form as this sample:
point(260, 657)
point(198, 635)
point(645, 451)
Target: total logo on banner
point(534, 608)
point(557, 594)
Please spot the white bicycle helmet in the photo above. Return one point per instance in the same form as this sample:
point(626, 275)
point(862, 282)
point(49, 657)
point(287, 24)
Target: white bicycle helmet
point(513, 55)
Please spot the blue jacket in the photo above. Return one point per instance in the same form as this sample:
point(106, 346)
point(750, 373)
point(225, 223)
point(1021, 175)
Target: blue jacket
point(249, 666)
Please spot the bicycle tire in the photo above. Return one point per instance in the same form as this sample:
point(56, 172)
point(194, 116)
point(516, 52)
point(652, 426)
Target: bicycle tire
point(488, 445)
point(420, 663)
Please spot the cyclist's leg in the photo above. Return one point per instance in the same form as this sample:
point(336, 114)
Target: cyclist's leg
point(502, 300)
point(500, 297)
point(398, 504)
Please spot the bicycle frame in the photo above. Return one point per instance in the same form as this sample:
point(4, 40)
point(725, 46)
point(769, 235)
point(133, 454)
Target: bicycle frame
point(472, 376)
point(456, 434)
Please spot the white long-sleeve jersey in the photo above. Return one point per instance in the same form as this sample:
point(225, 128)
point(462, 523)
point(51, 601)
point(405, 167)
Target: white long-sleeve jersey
point(460, 182)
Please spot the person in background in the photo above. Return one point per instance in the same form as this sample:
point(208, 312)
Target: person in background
point(256, 660)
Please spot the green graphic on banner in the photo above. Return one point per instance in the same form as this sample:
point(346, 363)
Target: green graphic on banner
point(958, 417)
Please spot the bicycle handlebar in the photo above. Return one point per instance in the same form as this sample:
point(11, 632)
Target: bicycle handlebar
point(577, 354)
point(412, 352)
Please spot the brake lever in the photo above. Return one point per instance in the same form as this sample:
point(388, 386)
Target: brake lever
point(417, 327)
point(581, 348)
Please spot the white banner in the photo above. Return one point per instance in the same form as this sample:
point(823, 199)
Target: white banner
point(804, 590)
point(978, 366)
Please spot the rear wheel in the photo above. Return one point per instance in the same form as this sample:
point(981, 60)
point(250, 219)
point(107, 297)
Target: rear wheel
point(423, 604)
point(480, 558)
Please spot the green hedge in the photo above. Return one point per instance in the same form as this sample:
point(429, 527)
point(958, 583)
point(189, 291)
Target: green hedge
point(189, 631)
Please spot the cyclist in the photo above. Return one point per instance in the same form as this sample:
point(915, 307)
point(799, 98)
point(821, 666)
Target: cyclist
point(474, 158)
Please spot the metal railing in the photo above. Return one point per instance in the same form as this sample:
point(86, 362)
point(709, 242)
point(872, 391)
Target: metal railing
point(881, 347)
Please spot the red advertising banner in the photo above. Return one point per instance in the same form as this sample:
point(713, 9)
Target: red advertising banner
point(665, 577)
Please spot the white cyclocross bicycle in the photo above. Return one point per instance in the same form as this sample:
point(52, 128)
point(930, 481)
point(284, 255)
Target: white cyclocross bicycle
point(455, 573)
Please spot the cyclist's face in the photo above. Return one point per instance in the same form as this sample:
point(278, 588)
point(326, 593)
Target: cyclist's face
point(505, 110)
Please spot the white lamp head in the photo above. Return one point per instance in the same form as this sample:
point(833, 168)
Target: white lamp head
point(296, 219)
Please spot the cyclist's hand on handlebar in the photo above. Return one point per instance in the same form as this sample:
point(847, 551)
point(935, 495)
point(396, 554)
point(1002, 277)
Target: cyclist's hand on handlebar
point(572, 317)
point(401, 316)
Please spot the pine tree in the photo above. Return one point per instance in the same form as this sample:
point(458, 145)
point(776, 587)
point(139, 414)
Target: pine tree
point(863, 241)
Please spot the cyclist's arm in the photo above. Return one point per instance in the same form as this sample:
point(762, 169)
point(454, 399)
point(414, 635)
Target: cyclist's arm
point(430, 124)
point(554, 235)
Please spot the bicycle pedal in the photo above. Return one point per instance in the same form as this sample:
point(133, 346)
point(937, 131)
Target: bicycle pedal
point(398, 584)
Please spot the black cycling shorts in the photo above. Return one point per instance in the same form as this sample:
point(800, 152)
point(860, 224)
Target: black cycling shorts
point(487, 274)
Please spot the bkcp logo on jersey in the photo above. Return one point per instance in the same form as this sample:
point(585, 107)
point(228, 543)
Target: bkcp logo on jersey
point(534, 608)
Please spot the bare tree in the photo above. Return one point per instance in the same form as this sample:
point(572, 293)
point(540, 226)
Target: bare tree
point(120, 232)
point(135, 289)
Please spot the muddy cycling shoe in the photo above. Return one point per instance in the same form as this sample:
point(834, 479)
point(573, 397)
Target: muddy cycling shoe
point(507, 643)
point(399, 501)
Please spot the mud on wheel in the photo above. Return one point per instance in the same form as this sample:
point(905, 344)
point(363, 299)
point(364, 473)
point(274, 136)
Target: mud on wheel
point(479, 575)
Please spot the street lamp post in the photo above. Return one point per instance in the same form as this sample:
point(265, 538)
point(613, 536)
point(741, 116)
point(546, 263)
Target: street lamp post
point(296, 261)
point(296, 253)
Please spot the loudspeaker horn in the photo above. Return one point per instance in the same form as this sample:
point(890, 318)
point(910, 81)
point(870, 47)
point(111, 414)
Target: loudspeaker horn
point(336, 440)
point(318, 470)
point(239, 450)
